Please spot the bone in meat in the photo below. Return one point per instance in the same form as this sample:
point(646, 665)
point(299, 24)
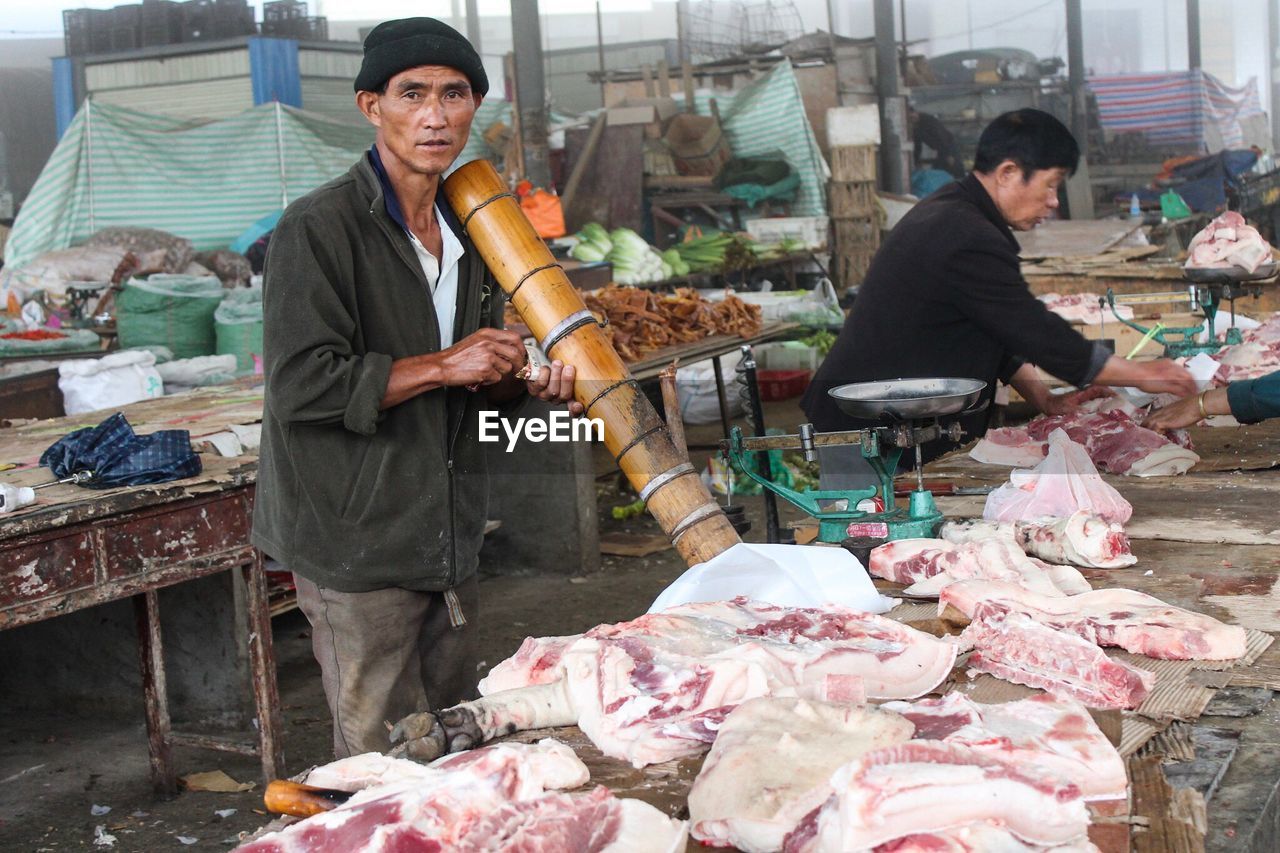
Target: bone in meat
point(931, 786)
point(1134, 621)
point(1018, 649)
point(928, 565)
point(771, 764)
point(1081, 539)
point(1054, 733)
point(657, 687)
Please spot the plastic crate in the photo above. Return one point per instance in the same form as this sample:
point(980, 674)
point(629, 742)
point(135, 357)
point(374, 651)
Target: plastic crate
point(776, 385)
point(809, 230)
point(284, 10)
point(786, 355)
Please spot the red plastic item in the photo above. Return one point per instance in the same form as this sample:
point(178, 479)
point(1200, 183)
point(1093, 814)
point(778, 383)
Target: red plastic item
point(778, 385)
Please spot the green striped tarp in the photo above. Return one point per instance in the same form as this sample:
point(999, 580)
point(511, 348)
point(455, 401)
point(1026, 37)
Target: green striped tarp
point(203, 180)
point(767, 117)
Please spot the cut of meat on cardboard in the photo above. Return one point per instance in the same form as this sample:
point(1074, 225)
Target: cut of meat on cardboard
point(1018, 649)
point(928, 565)
point(771, 765)
point(1134, 621)
point(1083, 308)
point(926, 787)
point(1056, 734)
point(1080, 539)
point(1064, 483)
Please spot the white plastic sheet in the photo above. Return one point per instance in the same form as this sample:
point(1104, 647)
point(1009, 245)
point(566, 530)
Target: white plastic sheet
point(782, 575)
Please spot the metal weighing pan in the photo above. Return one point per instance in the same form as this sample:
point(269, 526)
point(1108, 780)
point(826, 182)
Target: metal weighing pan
point(1228, 275)
point(907, 399)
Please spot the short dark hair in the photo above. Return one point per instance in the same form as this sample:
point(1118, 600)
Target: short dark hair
point(1031, 138)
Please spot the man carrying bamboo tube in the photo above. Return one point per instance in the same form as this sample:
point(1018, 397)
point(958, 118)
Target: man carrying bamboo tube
point(383, 342)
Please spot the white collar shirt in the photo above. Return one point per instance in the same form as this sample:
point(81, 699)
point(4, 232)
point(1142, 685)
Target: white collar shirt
point(442, 276)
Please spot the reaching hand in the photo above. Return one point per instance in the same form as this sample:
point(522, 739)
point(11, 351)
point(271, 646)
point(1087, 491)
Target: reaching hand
point(1163, 376)
point(555, 384)
point(1066, 404)
point(1184, 413)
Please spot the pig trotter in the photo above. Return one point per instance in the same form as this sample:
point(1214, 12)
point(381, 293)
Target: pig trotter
point(462, 728)
point(420, 737)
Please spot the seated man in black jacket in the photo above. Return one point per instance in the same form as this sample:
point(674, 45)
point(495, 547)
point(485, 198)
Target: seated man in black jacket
point(944, 296)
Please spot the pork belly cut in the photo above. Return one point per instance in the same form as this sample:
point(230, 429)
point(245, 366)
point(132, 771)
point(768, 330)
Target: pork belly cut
point(1054, 733)
point(1018, 649)
point(1083, 308)
point(977, 838)
point(486, 800)
point(928, 565)
point(658, 687)
point(924, 787)
point(1010, 446)
point(1081, 539)
point(1134, 621)
point(544, 766)
point(771, 765)
point(1228, 241)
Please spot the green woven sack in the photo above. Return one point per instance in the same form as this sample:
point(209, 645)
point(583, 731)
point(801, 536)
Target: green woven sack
point(238, 326)
point(174, 311)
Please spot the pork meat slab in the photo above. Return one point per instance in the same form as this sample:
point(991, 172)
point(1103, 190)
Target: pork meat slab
point(1134, 621)
point(977, 838)
point(1081, 539)
point(924, 787)
point(771, 765)
point(1018, 649)
point(485, 800)
point(658, 687)
point(1010, 446)
point(928, 565)
point(1050, 732)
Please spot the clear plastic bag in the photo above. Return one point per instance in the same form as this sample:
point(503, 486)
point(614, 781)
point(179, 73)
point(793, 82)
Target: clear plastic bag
point(1065, 482)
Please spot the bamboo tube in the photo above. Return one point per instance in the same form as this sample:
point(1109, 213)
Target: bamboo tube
point(554, 311)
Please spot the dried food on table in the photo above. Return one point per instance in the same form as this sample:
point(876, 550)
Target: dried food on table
point(641, 321)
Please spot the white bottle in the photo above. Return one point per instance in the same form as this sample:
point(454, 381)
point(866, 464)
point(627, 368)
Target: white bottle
point(1135, 209)
point(12, 497)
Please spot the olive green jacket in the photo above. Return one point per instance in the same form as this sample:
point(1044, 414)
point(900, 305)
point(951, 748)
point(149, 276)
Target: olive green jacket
point(350, 497)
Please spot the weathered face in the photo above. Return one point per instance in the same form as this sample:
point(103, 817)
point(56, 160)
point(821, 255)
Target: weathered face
point(424, 116)
point(1026, 202)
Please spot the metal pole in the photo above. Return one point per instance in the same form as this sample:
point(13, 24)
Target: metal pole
point(1273, 66)
point(600, 52)
point(892, 110)
point(1193, 34)
point(831, 28)
point(682, 31)
point(473, 24)
point(284, 183)
point(531, 92)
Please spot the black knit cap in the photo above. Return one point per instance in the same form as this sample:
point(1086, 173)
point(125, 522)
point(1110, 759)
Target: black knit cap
point(393, 46)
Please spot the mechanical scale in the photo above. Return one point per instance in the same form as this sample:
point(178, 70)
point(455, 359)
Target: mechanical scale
point(909, 411)
point(1206, 290)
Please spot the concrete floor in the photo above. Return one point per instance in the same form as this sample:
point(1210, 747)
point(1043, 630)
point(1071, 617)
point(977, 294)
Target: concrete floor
point(55, 769)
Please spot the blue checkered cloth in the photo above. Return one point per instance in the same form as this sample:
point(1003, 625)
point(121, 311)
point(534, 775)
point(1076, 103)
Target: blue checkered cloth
point(117, 456)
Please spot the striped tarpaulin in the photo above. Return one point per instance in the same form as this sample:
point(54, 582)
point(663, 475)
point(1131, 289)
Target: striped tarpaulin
point(1175, 107)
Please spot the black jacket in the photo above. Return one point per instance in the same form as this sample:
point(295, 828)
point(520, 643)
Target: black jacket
point(350, 497)
point(945, 297)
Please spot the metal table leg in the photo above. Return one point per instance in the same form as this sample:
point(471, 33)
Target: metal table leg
point(721, 395)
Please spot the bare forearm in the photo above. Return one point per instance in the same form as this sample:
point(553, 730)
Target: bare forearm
point(410, 377)
point(1026, 381)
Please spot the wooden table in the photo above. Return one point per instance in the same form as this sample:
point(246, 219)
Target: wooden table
point(79, 548)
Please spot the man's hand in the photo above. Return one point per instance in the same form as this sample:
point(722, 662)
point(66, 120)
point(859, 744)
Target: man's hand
point(482, 358)
point(555, 385)
point(1164, 376)
point(1066, 404)
point(1161, 376)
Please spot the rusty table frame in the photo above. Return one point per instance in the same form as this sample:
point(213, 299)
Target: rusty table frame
point(134, 554)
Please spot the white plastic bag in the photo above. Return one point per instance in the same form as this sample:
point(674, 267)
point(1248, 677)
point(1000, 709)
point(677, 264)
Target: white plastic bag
point(115, 380)
point(185, 373)
point(782, 575)
point(1064, 483)
point(696, 390)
